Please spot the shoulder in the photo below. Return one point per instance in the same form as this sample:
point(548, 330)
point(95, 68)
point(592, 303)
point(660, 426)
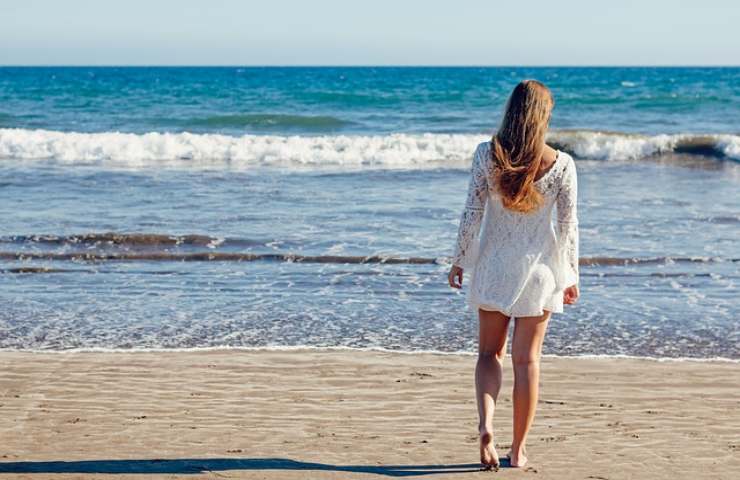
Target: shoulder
point(567, 163)
point(567, 156)
point(482, 153)
point(482, 149)
point(568, 177)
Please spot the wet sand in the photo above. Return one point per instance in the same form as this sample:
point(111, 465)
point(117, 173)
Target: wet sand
point(299, 414)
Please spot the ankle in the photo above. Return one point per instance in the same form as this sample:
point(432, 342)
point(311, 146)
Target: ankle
point(517, 450)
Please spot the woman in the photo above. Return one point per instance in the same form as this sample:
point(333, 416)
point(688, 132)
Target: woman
point(521, 267)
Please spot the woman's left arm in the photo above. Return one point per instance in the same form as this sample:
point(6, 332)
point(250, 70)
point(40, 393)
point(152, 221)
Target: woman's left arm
point(466, 247)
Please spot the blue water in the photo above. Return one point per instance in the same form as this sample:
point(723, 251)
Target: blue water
point(198, 207)
point(362, 100)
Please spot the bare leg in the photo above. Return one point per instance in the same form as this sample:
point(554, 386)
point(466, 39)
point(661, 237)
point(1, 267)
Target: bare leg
point(493, 328)
point(526, 348)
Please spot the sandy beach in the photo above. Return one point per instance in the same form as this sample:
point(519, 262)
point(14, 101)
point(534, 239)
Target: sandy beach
point(354, 414)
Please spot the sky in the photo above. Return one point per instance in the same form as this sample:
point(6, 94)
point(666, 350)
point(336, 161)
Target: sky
point(370, 32)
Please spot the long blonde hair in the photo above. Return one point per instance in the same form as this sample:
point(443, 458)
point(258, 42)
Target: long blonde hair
point(518, 145)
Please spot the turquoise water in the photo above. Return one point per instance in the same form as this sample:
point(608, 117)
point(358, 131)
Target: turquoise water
point(206, 207)
point(362, 100)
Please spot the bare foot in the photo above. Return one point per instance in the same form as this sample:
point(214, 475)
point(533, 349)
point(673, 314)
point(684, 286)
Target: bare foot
point(516, 460)
point(488, 454)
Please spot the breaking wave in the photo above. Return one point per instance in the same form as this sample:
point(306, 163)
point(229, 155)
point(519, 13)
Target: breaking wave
point(128, 150)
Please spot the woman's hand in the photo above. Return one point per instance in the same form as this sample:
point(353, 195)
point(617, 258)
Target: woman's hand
point(456, 273)
point(570, 295)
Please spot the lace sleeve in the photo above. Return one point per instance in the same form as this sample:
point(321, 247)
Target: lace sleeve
point(567, 223)
point(466, 247)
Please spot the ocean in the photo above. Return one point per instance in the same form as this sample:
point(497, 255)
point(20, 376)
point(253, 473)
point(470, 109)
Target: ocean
point(160, 208)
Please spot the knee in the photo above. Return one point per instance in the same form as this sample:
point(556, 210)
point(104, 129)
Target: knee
point(491, 355)
point(525, 360)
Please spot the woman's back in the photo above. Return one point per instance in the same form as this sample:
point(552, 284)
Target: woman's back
point(511, 245)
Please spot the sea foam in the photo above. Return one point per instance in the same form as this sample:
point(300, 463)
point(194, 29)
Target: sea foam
point(399, 150)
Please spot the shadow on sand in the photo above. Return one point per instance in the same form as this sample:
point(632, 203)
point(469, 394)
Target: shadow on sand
point(201, 465)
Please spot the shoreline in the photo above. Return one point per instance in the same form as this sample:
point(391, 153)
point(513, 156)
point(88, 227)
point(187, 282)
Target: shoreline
point(331, 349)
point(348, 414)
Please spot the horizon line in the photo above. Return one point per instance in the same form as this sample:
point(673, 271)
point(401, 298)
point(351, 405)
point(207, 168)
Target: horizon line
point(225, 65)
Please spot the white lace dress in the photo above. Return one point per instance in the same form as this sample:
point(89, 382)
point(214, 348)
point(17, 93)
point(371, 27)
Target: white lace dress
point(518, 263)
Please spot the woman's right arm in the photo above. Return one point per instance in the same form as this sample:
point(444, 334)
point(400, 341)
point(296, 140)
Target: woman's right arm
point(567, 224)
